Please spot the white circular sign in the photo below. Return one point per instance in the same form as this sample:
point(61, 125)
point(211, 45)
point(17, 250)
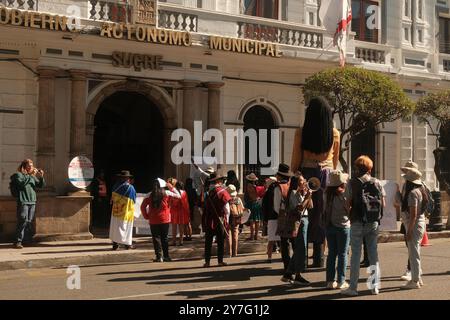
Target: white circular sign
point(81, 172)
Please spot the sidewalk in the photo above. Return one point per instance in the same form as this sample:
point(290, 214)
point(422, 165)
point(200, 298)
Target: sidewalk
point(98, 251)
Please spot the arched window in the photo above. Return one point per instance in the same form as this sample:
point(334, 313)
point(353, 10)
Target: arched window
point(257, 118)
point(365, 144)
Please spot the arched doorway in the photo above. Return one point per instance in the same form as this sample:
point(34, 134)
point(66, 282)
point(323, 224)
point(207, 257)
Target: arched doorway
point(365, 144)
point(128, 135)
point(257, 118)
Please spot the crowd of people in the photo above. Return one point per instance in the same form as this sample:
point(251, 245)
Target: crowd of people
point(308, 202)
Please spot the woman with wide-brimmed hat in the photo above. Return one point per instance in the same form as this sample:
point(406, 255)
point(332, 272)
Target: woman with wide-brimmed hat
point(413, 204)
point(252, 203)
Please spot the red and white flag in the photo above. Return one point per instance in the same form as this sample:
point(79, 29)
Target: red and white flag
point(336, 16)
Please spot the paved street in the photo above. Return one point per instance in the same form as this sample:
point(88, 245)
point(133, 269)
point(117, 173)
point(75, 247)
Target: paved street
point(247, 277)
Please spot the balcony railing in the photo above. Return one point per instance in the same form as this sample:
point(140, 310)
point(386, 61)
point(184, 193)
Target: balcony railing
point(293, 37)
point(110, 10)
point(371, 55)
point(177, 21)
point(30, 5)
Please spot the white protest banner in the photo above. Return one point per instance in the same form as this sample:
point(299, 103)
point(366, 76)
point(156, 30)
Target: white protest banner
point(389, 221)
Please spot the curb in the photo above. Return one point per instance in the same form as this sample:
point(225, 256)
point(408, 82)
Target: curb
point(145, 253)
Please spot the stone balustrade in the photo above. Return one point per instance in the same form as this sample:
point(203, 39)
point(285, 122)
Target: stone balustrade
point(291, 36)
point(177, 21)
point(111, 10)
point(30, 5)
point(370, 55)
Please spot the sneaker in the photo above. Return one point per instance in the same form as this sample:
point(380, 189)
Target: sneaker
point(349, 292)
point(132, 247)
point(287, 279)
point(222, 264)
point(158, 260)
point(375, 291)
point(206, 265)
point(299, 280)
point(331, 285)
point(411, 285)
point(421, 282)
point(344, 285)
point(167, 259)
point(406, 276)
point(115, 246)
point(18, 245)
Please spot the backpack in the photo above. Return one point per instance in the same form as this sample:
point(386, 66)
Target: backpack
point(13, 187)
point(367, 203)
point(267, 202)
point(428, 204)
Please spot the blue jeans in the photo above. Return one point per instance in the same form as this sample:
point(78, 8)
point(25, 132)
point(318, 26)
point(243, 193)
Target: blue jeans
point(338, 241)
point(298, 261)
point(25, 216)
point(358, 232)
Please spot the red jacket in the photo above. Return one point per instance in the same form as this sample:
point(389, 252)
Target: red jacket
point(156, 216)
point(215, 203)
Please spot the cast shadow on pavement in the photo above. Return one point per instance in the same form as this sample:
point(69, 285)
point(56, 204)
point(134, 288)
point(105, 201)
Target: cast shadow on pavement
point(163, 268)
point(210, 275)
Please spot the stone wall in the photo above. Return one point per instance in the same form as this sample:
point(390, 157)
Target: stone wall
point(57, 218)
point(7, 219)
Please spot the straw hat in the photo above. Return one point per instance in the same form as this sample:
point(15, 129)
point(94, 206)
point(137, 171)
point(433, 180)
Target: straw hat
point(410, 166)
point(413, 176)
point(251, 177)
point(337, 178)
point(411, 172)
point(232, 190)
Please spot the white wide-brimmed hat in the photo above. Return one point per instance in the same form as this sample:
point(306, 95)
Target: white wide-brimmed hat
point(413, 176)
point(337, 178)
point(410, 166)
point(162, 183)
point(232, 190)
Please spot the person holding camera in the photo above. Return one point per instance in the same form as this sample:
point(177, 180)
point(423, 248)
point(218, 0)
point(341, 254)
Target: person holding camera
point(23, 187)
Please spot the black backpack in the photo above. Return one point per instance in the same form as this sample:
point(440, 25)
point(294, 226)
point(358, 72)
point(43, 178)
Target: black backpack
point(267, 202)
point(367, 205)
point(428, 204)
point(13, 187)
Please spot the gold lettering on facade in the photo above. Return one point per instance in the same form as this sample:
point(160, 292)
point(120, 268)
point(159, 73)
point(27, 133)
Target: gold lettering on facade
point(244, 46)
point(138, 61)
point(106, 30)
point(4, 15)
point(140, 33)
point(61, 23)
point(35, 18)
point(162, 36)
point(237, 45)
point(16, 17)
point(118, 31)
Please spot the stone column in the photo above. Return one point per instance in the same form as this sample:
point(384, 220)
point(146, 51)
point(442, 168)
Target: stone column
point(214, 110)
point(191, 113)
point(45, 154)
point(78, 113)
